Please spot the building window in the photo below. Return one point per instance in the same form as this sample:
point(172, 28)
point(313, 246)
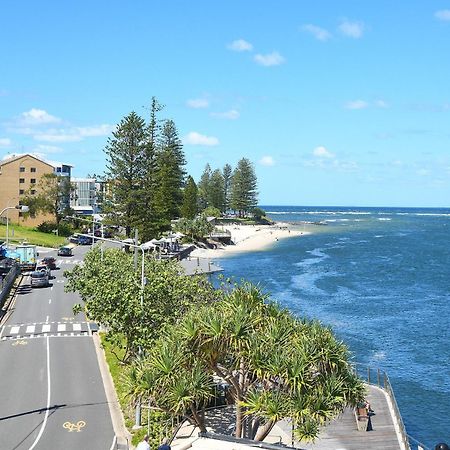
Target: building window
point(21, 180)
point(21, 192)
point(33, 169)
point(33, 181)
point(20, 214)
point(32, 192)
point(21, 169)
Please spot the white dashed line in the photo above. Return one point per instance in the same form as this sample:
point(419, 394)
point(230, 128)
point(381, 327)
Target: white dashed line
point(14, 330)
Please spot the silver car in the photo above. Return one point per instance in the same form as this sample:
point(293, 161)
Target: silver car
point(39, 279)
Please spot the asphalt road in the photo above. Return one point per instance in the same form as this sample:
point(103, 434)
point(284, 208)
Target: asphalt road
point(52, 395)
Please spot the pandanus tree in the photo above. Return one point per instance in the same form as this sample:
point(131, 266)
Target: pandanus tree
point(276, 366)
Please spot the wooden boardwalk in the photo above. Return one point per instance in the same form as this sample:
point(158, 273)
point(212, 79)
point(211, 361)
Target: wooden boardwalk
point(342, 434)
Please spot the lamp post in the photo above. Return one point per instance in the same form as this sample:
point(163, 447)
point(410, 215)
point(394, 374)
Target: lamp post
point(138, 406)
point(21, 208)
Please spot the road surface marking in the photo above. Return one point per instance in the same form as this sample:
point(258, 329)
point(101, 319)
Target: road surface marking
point(47, 319)
point(46, 328)
point(1, 331)
point(51, 288)
point(77, 327)
point(49, 301)
point(48, 399)
point(60, 281)
point(30, 329)
point(61, 327)
point(70, 427)
point(14, 330)
point(19, 342)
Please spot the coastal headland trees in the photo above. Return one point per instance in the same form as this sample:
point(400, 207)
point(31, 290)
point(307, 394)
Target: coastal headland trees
point(275, 366)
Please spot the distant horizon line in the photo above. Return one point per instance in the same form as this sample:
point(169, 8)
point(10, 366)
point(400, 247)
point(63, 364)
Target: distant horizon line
point(352, 206)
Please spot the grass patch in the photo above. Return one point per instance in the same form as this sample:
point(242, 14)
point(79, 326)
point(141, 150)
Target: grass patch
point(117, 369)
point(31, 236)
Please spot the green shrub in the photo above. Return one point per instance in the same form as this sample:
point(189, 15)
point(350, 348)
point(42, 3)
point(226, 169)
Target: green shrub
point(64, 229)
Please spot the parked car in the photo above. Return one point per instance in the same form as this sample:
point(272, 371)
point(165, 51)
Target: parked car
point(74, 238)
point(50, 262)
point(39, 279)
point(65, 251)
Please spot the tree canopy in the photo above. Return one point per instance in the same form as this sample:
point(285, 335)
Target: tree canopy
point(244, 195)
point(111, 291)
point(276, 366)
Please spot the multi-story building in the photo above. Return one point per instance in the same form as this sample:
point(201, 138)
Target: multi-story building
point(84, 197)
point(19, 175)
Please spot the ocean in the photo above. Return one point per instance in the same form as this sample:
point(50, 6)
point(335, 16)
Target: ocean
point(380, 277)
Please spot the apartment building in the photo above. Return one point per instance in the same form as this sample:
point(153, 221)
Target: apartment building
point(20, 173)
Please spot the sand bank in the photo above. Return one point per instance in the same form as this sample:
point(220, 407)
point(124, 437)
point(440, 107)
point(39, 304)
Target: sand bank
point(248, 238)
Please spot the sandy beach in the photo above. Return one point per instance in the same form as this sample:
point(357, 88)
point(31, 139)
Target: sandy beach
point(247, 238)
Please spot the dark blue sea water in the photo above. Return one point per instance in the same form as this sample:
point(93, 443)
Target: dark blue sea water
point(381, 278)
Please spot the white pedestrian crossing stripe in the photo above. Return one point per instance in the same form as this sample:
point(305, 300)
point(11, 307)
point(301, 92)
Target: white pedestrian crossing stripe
point(57, 329)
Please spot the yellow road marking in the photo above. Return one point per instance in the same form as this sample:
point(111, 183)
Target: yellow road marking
point(21, 342)
point(70, 427)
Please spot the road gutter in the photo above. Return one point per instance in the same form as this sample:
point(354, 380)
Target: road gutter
point(118, 422)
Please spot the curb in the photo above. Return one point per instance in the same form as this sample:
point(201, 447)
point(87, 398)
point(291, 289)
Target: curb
point(118, 422)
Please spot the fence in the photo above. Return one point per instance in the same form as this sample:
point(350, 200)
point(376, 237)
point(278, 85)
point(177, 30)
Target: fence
point(7, 282)
point(377, 377)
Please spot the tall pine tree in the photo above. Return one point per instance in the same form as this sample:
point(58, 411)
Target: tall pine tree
point(244, 195)
point(227, 178)
point(203, 188)
point(189, 207)
point(125, 155)
point(169, 175)
point(216, 194)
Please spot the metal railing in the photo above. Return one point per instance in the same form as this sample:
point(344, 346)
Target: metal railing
point(379, 378)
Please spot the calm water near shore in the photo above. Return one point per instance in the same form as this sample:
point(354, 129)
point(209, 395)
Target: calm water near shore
point(381, 278)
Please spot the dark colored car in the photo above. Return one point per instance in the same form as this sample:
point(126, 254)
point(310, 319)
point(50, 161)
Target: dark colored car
point(84, 240)
point(50, 262)
point(65, 251)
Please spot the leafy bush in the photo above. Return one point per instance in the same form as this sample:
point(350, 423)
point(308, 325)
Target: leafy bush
point(210, 211)
point(64, 229)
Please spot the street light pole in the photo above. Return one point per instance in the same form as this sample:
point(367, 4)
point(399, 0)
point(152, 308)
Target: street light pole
point(22, 208)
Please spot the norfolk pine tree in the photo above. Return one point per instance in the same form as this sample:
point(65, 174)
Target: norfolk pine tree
point(244, 195)
point(125, 154)
point(189, 207)
point(203, 188)
point(227, 179)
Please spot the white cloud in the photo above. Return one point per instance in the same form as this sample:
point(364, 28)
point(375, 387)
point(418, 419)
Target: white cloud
point(232, 114)
point(43, 149)
point(443, 14)
point(194, 138)
point(37, 117)
point(5, 142)
point(319, 33)
point(197, 103)
point(267, 161)
point(381, 104)
point(354, 30)
point(322, 152)
point(97, 130)
point(70, 134)
point(240, 45)
point(356, 104)
point(423, 172)
point(270, 59)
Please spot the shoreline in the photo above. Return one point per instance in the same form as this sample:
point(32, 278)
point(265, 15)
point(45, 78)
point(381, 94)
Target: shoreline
point(249, 238)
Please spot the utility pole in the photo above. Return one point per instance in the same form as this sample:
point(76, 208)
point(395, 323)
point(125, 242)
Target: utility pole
point(135, 261)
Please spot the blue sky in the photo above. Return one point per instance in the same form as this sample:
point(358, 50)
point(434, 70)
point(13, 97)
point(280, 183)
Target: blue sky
point(336, 103)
